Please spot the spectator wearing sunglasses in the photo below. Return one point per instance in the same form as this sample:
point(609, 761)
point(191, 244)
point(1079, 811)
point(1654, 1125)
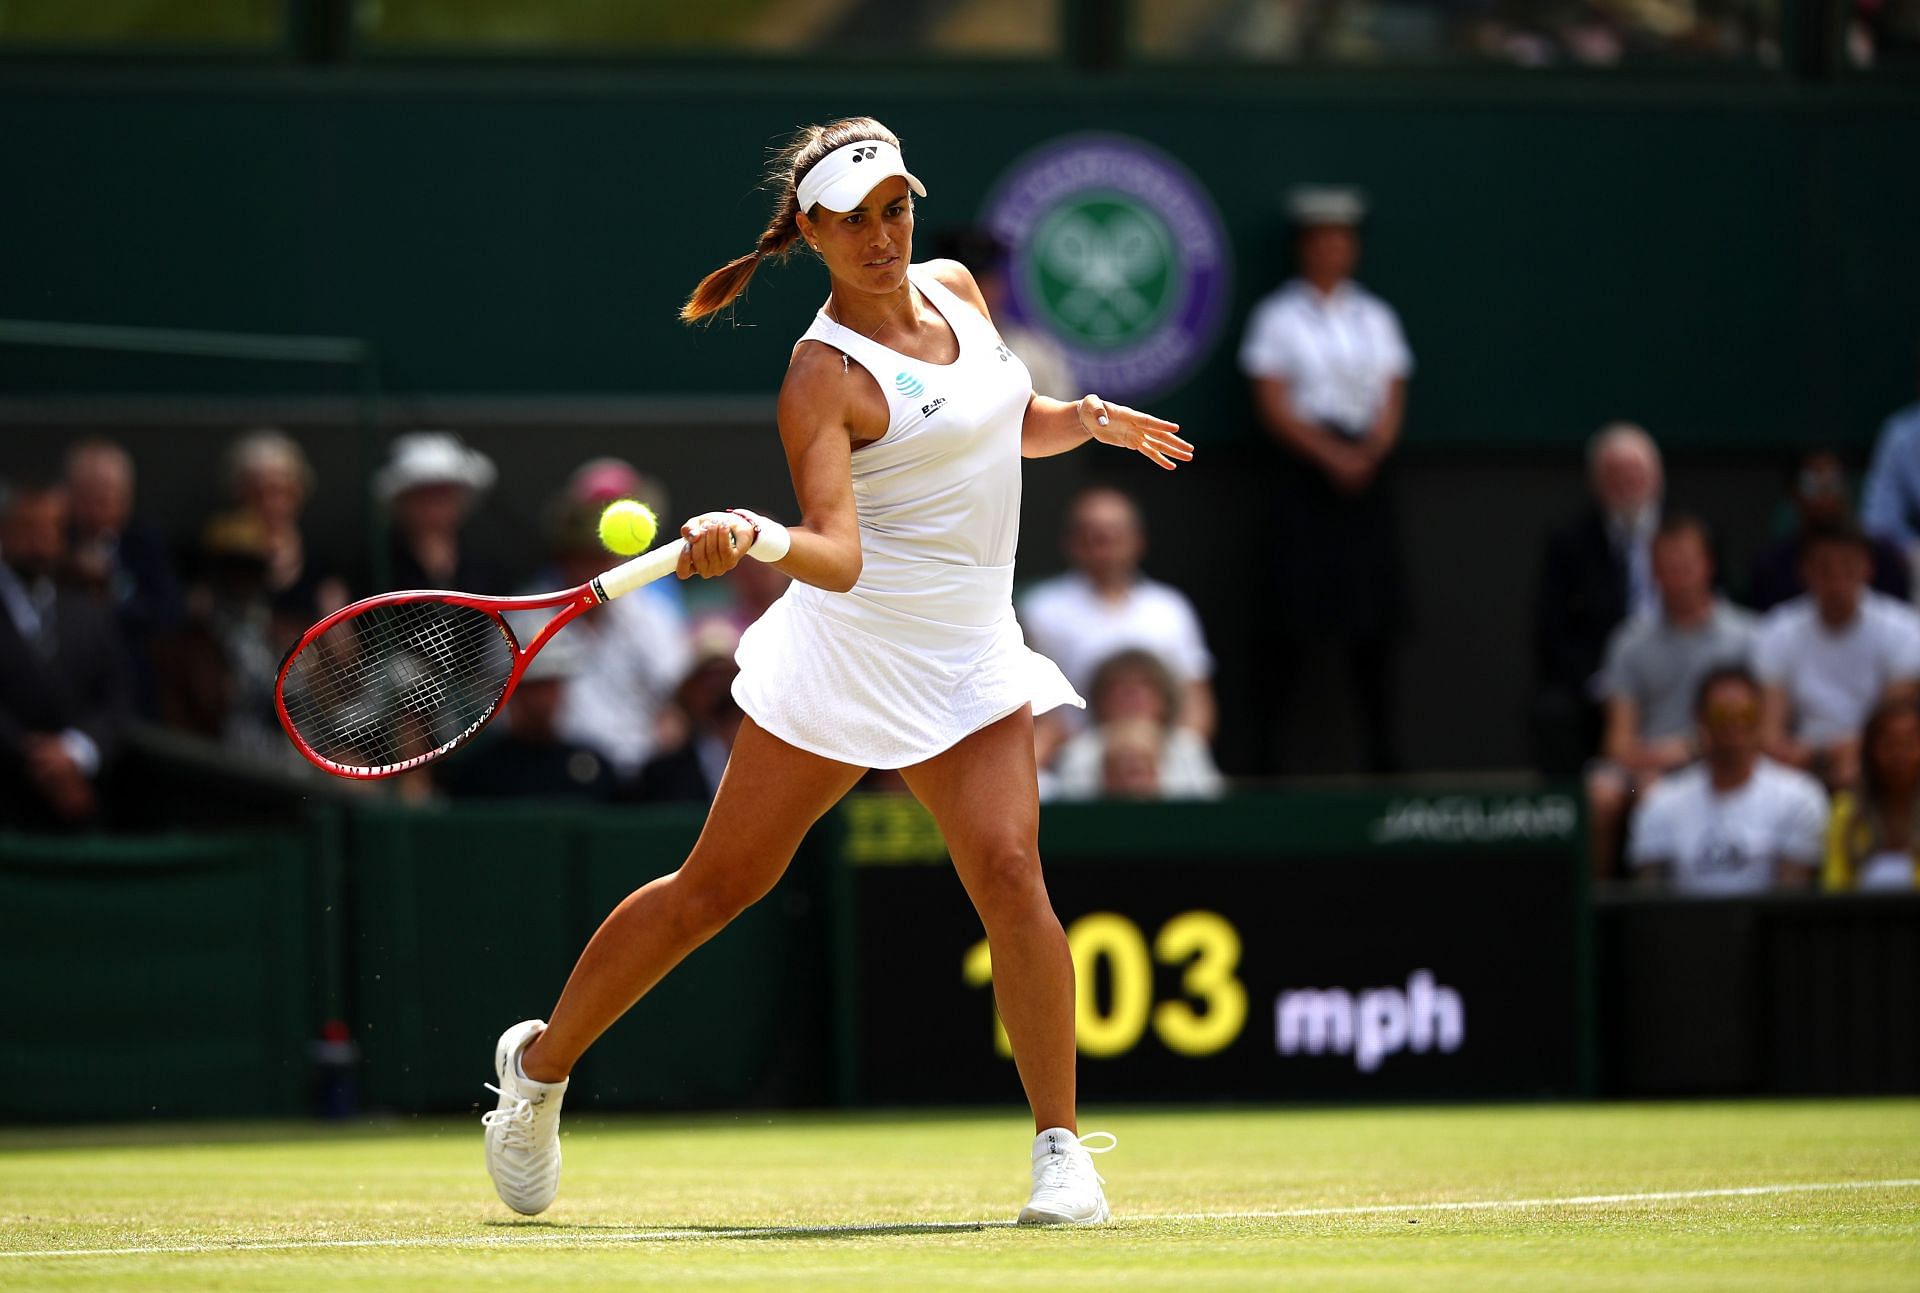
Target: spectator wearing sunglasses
point(1736, 822)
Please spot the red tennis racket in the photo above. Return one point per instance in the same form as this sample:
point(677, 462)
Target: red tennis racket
point(395, 681)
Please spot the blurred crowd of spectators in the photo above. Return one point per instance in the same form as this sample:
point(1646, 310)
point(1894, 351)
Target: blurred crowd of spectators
point(1524, 33)
point(104, 629)
point(1728, 748)
point(1734, 734)
point(632, 703)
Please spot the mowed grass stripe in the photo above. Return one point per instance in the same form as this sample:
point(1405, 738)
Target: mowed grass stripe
point(591, 1238)
point(1567, 1198)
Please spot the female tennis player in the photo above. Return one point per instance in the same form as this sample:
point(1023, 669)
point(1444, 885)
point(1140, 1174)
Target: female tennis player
point(904, 419)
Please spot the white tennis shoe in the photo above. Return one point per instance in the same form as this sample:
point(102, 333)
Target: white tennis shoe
point(523, 1132)
point(1066, 1189)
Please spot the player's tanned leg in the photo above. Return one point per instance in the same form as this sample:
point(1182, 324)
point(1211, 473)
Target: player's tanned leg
point(983, 793)
point(771, 794)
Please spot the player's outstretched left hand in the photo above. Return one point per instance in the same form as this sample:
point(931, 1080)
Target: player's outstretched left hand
point(1116, 424)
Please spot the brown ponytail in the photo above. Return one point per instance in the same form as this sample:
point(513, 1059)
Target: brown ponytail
point(790, 165)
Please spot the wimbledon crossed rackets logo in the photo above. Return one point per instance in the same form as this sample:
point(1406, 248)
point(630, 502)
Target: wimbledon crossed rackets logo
point(908, 385)
point(1119, 253)
point(1104, 269)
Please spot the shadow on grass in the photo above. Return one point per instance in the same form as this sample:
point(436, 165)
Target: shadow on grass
point(559, 1231)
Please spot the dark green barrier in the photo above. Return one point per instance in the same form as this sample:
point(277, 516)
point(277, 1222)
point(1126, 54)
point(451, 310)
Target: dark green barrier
point(467, 921)
point(1727, 261)
point(187, 976)
point(1310, 944)
point(1788, 994)
point(158, 977)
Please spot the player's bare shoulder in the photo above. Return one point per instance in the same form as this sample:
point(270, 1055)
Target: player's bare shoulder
point(822, 389)
point(958, 279)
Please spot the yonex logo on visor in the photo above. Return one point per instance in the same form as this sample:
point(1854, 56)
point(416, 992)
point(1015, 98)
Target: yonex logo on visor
point(841, 180)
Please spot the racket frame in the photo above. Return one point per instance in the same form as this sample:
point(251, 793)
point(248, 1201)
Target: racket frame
point(574, 602)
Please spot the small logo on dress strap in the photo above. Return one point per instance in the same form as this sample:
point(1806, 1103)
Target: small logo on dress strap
point(908, 385)
point(1003, 352)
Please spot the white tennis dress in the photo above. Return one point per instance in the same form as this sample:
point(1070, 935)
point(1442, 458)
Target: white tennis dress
point(924, 649)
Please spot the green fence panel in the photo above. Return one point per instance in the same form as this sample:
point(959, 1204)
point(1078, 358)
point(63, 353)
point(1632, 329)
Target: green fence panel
point(1726, 262)
point(463, 922)
point(156, 977)
point(745, 1019)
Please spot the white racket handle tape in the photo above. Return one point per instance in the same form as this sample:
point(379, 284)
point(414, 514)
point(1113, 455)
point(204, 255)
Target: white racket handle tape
point(771, 542)
point(643, 569)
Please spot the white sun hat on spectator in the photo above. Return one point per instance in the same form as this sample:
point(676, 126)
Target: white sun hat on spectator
point(432, 458)
point(560, 659)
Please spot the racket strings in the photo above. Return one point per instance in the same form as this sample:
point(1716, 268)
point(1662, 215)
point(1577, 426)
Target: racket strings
point(397, 682)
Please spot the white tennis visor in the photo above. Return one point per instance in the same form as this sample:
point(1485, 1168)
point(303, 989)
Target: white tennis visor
point(841, 180)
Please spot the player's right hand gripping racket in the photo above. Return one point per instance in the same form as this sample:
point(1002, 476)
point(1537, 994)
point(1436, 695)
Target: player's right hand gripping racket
point(394, 681)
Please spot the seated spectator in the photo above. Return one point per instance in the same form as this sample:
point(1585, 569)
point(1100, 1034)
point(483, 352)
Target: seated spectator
point(1104, 605)
point(271, 480)
point(1597, 571)
point(1826, 658)
point(121, 558)
point(1890, 496)
point(1135, 687)
point(1871, 843)
point(429, 486)
point(633, 651)
point(747, 590)
point(690, 772)
point(1131, 756)
point(65, 688)
point(1654, 665)
point(599, 481)
point(217, 669)
point(1736, 822)
point(531, 759)
point(1820, 499)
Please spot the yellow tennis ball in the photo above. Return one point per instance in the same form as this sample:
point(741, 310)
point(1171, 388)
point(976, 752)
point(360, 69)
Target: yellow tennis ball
point(627, 527)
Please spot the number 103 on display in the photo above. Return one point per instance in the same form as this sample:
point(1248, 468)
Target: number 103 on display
point(1205, 1018)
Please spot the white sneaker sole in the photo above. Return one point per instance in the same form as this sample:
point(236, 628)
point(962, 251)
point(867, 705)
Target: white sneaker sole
point(1031, 1216)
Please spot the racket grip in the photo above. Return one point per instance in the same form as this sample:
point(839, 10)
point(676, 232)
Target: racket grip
point(643, 569)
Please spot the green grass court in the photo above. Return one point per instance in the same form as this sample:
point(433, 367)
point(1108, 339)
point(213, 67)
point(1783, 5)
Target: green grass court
point(1754, 1196)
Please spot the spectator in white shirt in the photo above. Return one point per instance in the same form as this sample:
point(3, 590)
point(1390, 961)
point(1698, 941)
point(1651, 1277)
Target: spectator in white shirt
point(1134, 692)
point(618, 701)
point(1328, 366)
point(1827, 658)
point(1653, 668)
point(1105, 605)
point(1736, 822)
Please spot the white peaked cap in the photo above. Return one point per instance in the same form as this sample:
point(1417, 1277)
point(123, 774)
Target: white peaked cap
point(432, 458)
point(1325, 204)
point(841, 180)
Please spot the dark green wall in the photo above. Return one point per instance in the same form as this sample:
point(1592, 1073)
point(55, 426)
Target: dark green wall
point(1732, 265)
